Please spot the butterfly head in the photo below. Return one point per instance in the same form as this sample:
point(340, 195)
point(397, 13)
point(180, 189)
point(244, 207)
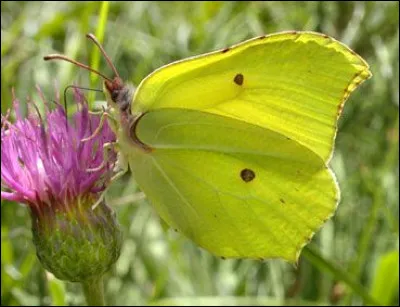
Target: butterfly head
point(119, 98)
point(118, 94)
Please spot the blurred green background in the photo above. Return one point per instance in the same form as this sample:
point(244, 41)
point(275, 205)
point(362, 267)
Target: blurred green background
point(158, 266)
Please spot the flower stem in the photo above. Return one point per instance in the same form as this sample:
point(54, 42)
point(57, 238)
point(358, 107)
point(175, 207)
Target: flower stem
point(94, 292)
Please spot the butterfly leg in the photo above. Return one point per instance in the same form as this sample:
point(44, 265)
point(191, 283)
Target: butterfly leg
point(120, 168)
point(99, 127)
point(97, 112)
point(107, 147)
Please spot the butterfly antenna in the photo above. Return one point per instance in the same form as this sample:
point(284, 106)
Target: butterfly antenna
point(81, 65)
point(79, 88)
point(76, 87)
point(94, 40)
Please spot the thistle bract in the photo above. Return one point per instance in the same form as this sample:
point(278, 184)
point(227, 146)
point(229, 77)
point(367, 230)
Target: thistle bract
point(46, 165)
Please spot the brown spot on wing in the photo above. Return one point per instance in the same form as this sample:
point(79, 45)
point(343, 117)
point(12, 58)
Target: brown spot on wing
point(225, 50)
point(247, 175)
point(238, 79)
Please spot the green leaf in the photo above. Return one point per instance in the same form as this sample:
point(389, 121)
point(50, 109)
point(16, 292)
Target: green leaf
point(386, 282)
point(28, 264)
point(57, 291)
point(6, 247)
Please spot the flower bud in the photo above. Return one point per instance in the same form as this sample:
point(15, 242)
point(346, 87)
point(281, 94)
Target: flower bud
point(78, 244)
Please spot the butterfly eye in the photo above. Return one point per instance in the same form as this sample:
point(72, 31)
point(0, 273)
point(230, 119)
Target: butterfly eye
point(114, 95)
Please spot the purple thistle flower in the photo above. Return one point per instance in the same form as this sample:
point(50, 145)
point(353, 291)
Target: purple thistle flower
point(49, 164)
point(46, 165)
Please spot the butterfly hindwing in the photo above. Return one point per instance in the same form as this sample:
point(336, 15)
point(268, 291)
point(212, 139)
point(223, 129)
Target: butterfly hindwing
point(236, 189)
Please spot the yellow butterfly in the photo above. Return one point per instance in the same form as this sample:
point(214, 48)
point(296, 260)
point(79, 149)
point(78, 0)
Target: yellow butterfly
point(232, 147)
